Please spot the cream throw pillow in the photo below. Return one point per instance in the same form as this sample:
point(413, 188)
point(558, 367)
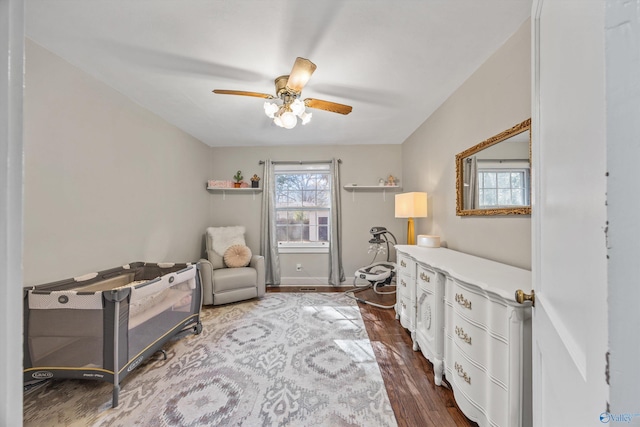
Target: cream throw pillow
point(237, 256)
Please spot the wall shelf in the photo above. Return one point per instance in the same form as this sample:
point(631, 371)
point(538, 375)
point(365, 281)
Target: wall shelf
point(353, 188)
point(225, 191)
point(356, 187)
point(240, 190)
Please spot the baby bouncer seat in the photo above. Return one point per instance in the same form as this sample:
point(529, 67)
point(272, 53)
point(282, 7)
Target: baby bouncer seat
point(377, 274)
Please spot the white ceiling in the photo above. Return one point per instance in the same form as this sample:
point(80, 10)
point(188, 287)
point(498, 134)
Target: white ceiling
point(394, 61)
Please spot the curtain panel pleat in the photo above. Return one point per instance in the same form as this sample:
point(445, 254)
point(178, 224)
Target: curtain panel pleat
point(336, 270)
point(268, 240)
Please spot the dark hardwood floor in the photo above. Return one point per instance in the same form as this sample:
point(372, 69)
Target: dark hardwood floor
point(407, 375)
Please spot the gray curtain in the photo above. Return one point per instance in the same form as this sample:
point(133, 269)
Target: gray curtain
point(268, 240)
point(336, 271)
point(470, 182)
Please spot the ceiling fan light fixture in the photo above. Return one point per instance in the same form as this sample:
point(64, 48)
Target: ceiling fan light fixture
point(289, 120)
point(297, 107)
point(287, 105)
point(270, 109)
point(305, 117)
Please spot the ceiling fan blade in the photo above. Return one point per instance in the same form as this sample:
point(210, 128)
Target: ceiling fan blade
point(300, 74)
point(334, 107)
point(243, 93)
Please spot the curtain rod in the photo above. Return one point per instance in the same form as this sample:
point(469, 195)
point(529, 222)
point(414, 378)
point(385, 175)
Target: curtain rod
point(301, 162)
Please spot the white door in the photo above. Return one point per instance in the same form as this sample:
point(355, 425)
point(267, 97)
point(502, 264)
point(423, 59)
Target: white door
point(569, 213)
point(11, 173)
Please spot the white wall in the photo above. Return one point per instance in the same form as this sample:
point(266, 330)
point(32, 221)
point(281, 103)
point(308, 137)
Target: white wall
point(496, 97)
point(361, 164)
point(106, 181)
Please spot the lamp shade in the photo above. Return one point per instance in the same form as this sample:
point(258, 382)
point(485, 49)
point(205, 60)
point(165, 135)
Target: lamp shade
point(411, 205)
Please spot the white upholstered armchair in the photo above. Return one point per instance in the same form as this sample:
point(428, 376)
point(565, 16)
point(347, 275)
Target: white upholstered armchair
point(230, 273)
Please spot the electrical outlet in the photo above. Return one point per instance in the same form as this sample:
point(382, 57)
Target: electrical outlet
point(298, 267)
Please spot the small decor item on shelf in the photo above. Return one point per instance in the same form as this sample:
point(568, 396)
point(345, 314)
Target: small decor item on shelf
point(219, 183)
point(381, 182)
point(255, 181)
point(392, 181)
point(238, 178)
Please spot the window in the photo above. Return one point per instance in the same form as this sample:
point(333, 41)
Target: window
point(503, 187)
point(303, 207)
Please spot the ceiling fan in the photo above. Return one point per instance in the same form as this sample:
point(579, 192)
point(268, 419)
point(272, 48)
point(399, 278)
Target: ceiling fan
point(288, 106)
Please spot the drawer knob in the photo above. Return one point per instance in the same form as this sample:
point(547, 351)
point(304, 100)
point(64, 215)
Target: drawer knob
point(462, 373)
point(402, 263)
point(425, 277)
point(403, 283)
point(463, 335)
point(521, 297)
point(460, 299)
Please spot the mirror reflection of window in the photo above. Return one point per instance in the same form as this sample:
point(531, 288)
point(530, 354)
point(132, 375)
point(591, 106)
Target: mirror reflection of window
point(502, 184)
point(501, 175)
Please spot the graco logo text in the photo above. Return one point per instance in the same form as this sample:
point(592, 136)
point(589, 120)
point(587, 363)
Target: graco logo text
point(134, 364)
point(42, 375)
point(608, 417)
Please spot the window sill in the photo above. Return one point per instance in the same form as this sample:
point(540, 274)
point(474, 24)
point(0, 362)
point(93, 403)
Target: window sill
point(303, 249)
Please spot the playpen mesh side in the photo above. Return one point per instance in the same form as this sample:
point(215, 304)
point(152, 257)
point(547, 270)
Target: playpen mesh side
point(69, 337)
point(155, 309)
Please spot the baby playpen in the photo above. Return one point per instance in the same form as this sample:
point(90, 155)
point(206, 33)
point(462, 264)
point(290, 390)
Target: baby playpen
point(103, 325)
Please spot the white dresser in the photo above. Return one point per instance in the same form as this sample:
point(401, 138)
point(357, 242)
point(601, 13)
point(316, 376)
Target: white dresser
point(463, 316)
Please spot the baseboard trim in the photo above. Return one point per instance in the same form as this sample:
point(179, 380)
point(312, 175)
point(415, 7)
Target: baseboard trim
point(307, 281)
point(300, 281)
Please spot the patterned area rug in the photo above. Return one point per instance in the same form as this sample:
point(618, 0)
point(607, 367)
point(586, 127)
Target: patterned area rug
point(288, 359)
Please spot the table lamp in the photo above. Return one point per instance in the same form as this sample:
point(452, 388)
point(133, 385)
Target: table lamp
point(411, 205)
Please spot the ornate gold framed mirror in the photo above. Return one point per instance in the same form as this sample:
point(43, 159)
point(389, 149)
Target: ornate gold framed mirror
point(494, 176)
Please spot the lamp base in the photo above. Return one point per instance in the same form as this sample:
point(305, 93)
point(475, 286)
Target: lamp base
point(411, 233)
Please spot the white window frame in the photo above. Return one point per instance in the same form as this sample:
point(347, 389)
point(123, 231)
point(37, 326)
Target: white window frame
point(303, 247)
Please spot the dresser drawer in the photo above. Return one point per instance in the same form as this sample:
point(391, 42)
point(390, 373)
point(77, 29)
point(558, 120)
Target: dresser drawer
point(407, 313)
point(426, 277)
point(405, 286)
point(406, 266)
point(481, 399)
point(470, 382)
point(491, 314)
point(487, 351)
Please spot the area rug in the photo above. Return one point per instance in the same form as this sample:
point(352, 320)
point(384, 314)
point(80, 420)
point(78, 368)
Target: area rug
point(288, 359)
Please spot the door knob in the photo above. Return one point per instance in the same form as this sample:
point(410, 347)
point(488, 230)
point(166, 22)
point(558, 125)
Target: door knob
point(521, 297)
